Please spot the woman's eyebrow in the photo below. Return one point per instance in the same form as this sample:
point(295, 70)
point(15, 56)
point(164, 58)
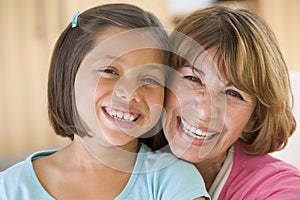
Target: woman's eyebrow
point(199, 71)
point(228, 84)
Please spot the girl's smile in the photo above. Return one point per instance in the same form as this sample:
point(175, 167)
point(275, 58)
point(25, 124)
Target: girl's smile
point(122, 117)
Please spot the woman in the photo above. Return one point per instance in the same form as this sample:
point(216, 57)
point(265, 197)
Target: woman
point(231, 105)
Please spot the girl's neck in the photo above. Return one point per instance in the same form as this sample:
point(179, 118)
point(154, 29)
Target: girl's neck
point(75, 164)
point(119, 158)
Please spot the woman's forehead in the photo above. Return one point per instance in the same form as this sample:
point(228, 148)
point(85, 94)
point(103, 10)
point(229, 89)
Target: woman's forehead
point(207, 64)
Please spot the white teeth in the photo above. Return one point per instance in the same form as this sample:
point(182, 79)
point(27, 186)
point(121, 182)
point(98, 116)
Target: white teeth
point(126, 116)
point(193, 131)
point(198, 132)
point(121, 116)
point(131, 118)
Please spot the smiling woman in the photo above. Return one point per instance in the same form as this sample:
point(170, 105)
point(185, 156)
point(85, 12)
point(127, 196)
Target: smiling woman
point(230, 105)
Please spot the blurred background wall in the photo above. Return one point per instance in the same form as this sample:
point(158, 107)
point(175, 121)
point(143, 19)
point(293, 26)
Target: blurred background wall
point(30, 28)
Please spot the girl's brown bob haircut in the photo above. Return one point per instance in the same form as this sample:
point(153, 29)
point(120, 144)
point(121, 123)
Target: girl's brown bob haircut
point(74, 44)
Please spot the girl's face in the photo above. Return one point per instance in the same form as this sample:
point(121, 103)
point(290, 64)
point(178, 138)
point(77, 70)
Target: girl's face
point(205, 114)
point(120, 90)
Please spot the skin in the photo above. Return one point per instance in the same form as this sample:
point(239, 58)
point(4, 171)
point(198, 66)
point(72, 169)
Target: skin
point(117, 92)
point(75, 163)
point(222, 116)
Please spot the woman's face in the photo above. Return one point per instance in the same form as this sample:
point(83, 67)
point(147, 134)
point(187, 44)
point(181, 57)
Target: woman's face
point(205, 114)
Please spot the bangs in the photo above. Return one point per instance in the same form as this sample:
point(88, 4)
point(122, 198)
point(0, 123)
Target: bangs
point(185, 49)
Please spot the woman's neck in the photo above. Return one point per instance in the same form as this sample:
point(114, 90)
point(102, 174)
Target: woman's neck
point(209, 169)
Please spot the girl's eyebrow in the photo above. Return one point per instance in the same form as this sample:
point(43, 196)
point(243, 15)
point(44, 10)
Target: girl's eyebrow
point(152, 66)
point(114, 58)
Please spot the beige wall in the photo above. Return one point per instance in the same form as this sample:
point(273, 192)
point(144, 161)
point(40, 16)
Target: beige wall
point(28, 32)
point(284, 19)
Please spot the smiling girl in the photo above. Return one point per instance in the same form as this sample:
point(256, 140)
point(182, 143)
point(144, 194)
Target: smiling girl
point(105, 90)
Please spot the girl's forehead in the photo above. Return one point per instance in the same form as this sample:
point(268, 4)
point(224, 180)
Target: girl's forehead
point(115, 41)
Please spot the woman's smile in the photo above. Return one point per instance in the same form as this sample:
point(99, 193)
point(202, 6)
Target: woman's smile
point(197, 135)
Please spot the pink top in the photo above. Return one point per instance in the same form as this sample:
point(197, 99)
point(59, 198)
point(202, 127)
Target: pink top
point(260, 177)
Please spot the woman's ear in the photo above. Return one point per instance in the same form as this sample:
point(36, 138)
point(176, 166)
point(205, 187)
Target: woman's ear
point(249, 126)
point(247, 133)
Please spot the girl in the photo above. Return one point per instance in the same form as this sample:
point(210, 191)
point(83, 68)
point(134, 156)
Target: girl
point(105, 89)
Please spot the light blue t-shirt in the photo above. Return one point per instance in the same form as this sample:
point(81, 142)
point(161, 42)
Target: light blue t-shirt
point(155, 176)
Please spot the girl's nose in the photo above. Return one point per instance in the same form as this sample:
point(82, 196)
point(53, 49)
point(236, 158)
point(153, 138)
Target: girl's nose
point(128, 91)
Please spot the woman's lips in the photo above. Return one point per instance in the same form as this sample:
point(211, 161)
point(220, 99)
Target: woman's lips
point(196, 135)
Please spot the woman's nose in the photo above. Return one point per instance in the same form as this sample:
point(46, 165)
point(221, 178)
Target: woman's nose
point(208, 105)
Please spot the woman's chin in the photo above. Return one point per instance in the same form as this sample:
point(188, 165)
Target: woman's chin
point(187, 155)
point(189, 151)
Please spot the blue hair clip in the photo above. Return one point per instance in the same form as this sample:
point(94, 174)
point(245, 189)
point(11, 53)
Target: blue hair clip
point(75, 19)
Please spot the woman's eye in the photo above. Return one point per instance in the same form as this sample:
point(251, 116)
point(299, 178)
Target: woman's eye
point(234, 94)
point(150, 81)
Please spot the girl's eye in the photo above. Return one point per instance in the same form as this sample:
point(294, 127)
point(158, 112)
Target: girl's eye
point(108, 71)
point(234, 94)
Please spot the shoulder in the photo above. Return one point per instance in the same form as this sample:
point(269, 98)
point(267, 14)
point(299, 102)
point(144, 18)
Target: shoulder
point(265, 163)
point(18, 170)
point(161, 161)
point(172, 177)
point(19, 180)
point(261, 177)
point(12, 172)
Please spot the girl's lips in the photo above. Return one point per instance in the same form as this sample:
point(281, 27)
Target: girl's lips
point(120, 114)
point(197, 136)
point(122, 117)
point(122, 108)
